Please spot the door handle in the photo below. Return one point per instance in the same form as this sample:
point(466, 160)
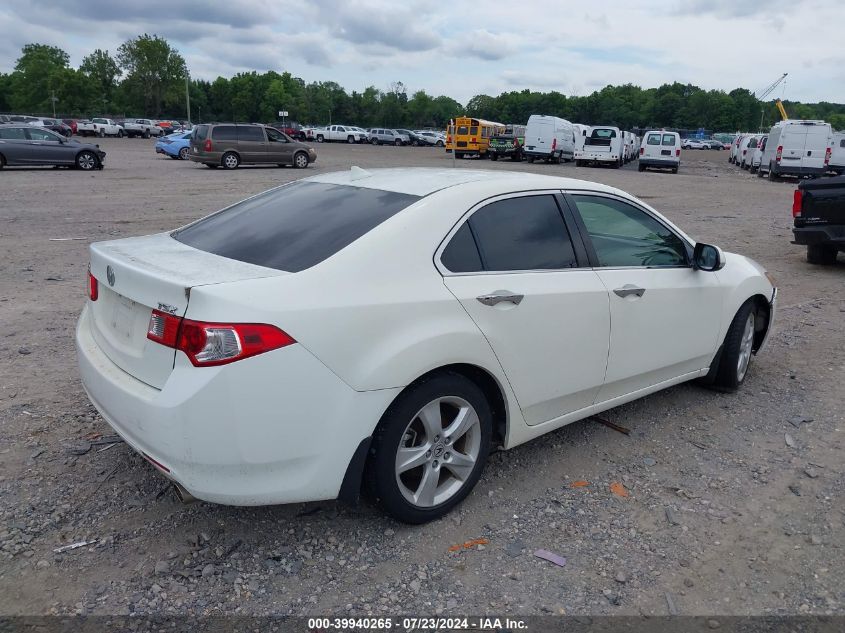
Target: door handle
point(500, 296)
point(628, 290)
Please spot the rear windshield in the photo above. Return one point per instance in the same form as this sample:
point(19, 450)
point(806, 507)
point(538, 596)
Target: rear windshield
point(669, 139)
point(294, 227)
point(200, 132)
point(653, 139)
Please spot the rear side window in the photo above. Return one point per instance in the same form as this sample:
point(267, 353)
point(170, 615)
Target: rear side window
point(653, 139)
point(294, 227)
point(842, 143)
point(225, 133)
point(526, 233)
point(669, 139)
point(250, 133)
point(461, 255)
point(12, 133)
point(200, 132)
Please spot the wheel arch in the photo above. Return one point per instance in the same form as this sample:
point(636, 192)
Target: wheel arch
point(763, 321)
point(353, 479)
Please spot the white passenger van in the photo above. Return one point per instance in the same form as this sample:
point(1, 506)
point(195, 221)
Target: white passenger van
point(660, 149)
point(602, 145)
point(798, 148)
point(549, 138)
point(837, 153)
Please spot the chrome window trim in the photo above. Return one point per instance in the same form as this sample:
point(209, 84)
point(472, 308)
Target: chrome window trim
point(445, 272)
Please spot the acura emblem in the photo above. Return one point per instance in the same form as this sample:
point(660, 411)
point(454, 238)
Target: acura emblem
point(110, 275)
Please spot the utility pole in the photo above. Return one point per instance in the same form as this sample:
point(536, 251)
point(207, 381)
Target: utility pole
point(187, 98)
point(53, 99)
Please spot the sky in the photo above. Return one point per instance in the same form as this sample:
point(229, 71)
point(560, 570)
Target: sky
point(462, 48)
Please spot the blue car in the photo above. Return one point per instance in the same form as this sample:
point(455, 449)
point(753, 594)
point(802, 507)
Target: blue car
point(175, 145)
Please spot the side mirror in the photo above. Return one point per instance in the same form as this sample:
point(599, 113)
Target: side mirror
point(708, 257)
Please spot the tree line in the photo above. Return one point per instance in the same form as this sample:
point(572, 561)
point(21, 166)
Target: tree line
point(148, 77)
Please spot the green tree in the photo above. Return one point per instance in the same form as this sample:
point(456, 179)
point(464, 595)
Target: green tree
point(103, 71)
point(154, 70)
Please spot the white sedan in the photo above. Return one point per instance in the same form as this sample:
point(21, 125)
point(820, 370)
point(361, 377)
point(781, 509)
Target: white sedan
point(691, 143)
point(386, 329)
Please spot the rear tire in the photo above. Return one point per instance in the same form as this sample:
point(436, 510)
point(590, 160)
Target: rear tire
point(530, 159)
point(736, 350)
point(428, 415)
point(772, 174)
point(494, 156)
point(821, 254)
point(101, 134)
point(2, 161)
point(230, 160)
point(183, 153)
point(145, 134)
point(640, 167)
point(320, 138)
point(674, 170)
point(439, 143)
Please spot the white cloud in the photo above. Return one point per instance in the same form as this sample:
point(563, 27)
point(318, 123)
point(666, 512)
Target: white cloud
point(440, 48)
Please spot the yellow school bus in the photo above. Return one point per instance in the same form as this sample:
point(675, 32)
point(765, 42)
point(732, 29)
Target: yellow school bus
point(471, 136)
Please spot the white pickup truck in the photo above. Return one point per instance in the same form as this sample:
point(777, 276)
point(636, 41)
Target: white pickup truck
point(99, 127)
point(343, 133)
point(144, 128)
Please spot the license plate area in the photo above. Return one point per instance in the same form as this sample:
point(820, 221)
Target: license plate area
point(122, 317)
point(666, 152)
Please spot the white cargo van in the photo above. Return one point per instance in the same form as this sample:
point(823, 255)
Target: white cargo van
point(746, 151)
point(757, 156)
point(732, 155)
point(549, 138)
point(660, 149)
point(837, 153)
point(798, 148)
point(602, 145)
point(581, 132)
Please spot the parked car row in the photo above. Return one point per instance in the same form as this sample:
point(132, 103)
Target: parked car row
point(704, 143)
point(791, 148)
point(374, 136)
point(100, 126)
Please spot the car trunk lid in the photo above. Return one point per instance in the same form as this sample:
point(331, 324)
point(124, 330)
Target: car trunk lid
point(137, 275)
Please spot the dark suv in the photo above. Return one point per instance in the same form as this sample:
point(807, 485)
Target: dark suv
point(233, 144)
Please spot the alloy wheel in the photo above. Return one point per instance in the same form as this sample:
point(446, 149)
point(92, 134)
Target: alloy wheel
point(745, 346)
point(438, 451)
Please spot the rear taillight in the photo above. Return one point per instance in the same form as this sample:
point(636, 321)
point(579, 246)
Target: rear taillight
point(827, 157)
point(93, 287)
point(207, 146)
point(554, 144)
point(211, 344)
point(779, 153)
point(797, 201)
point(677, 152)
point(642, 151)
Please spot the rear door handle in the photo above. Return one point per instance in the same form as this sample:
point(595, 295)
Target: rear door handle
point(500, 296)
point(628, 290)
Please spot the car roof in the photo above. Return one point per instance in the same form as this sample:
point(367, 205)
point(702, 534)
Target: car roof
point(423, 181)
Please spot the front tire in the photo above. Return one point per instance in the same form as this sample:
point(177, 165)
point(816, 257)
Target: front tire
point(737, 349)
point(101, 133)
point(87, 161)
point(300, 160)
point(230, 160)
point(120, 134)
point(350, 139)
point(430, 448)
point(320, 138)
point(397, 142)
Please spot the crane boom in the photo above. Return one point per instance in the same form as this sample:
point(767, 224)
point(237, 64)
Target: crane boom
point(770, 88)
point(781, 110)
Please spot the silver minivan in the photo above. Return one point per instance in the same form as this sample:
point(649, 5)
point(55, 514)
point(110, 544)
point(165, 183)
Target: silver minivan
point(380, 135)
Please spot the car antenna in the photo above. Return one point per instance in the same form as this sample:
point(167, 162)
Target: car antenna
point(356, 173)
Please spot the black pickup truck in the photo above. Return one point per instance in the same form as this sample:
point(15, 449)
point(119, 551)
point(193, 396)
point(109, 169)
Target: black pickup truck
point(818, 212)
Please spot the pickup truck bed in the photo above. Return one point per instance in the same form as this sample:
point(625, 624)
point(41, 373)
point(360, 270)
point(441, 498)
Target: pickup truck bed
point(818, 213)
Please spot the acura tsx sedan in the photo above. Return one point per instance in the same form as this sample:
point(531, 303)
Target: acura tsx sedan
point(384, 330)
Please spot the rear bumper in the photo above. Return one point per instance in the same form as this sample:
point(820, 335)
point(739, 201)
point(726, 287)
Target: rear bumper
point(785, 169)
point(833, 234)
point(597, 157)
point(665, 163)
point(275, 428)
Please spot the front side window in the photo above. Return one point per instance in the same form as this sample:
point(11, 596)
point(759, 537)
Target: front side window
point(525, 233)
point(623, 235)
point(669, 139)
point(294, 227)
point(274, 136)
point(41, 135)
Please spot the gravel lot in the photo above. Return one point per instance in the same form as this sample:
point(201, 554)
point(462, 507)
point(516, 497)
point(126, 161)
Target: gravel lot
point(735, 501)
